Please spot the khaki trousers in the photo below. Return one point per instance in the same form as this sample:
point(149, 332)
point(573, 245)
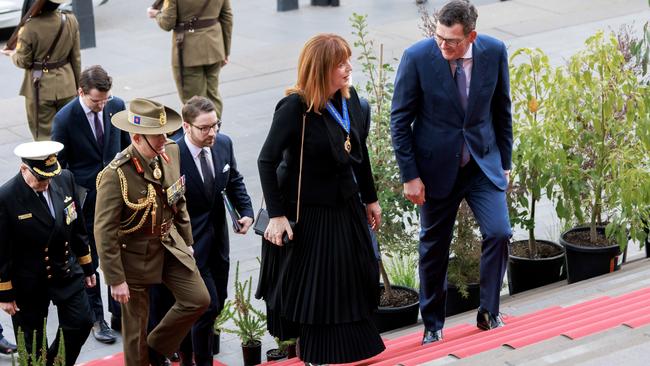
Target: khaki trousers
point(200, 80)
point(46, 111)
point(192, 298)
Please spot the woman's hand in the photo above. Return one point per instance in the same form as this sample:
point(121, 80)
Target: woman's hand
point(276, 228)
point(373, 212)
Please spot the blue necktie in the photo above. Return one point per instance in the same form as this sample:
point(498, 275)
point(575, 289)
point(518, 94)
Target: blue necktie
point(461, 84)
point(208, 178)
point(99, 131)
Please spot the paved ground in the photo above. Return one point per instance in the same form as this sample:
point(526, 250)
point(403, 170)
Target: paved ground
point(264, 54)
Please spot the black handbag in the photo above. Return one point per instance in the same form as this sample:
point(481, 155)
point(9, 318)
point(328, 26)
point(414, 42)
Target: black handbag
point(262, 219)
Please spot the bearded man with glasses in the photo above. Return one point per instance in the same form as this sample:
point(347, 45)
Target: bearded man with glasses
point(90, 142)
point(451, 127)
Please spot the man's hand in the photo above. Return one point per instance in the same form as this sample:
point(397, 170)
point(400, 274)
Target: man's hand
point(90, 281)
point(245, 223)
point(275, 231)
point(151, 12)
point(9, 307)
point(7, 52)
point(225, 61)
point(507, 174)
point(414, 191)
point(120, 292)
point(373, 212)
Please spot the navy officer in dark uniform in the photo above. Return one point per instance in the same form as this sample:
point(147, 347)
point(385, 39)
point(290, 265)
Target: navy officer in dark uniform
point(44, 254)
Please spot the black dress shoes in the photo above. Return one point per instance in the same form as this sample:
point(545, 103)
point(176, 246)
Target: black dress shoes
point(7, 347)
point(487, 321)
point(103, 333)
point(431, 336)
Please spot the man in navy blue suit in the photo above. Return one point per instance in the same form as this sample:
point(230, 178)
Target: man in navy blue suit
point(208, 163)
point(451, 127)
point(90, 142)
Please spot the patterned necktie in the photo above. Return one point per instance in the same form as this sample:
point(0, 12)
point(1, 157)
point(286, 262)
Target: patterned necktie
point(461, 84)
point(99, 131)
point(208, 178)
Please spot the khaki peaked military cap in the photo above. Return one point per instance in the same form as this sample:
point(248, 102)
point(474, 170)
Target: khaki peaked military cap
point(40, 157)
point(146, 117)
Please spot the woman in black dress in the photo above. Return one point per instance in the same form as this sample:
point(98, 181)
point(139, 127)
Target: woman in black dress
point(323, 286)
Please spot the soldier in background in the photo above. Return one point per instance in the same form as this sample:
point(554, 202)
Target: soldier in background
point(143, 233)
point(201, 44)
point(48, 50)
point(44, 256)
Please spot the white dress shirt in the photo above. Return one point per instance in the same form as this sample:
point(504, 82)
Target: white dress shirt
point(195, 151)
point(90, 116)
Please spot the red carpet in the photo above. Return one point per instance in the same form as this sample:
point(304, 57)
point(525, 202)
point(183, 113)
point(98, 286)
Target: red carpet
point(118, 360)
point(576, 321)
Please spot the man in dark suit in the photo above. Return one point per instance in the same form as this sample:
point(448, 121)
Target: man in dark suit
point(452, 133)
point(44, 255)
point(208, 163)
point(90, 142)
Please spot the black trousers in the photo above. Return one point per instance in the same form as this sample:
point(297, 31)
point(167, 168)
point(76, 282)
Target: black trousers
point(95, 293)
point(75, 321)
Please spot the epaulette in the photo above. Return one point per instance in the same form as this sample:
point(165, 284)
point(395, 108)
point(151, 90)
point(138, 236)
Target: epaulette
point(119, 159)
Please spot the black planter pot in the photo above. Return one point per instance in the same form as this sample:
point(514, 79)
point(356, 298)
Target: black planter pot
point(275, 355)
point(386, 318)
point(216, 344)
point(586, 262)
point(457, 304)
point(525, 273)
point(252, 354)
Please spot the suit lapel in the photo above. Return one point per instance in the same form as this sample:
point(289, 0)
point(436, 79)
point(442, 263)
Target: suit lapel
point(218, 163)
point(85, 126)
point(29, 200)
point(193, 178)
point(442, 70)
point(479, 65)
point(56, 196)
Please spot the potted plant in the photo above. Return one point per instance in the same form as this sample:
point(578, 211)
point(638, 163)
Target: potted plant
point(602, 122)
point(399, 306)
point(250, 323)
point(286, 349)
point(225, 314)
point(38, 357)
point(463, 290)
point(532, 262)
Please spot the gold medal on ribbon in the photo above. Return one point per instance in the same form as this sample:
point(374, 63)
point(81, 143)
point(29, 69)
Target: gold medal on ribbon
point(347, 145)
point(157, 173)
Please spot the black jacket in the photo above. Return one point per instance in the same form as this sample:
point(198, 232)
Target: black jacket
point(37, 251)
point(329, 172)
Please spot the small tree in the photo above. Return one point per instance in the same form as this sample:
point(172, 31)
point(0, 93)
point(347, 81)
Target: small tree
point(397, 233)
point(250, 322)
point(602, 114)
point(532, 84)
point(465, 251)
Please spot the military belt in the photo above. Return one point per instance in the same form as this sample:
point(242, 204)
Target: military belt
point(46, 66)
point(189, 26)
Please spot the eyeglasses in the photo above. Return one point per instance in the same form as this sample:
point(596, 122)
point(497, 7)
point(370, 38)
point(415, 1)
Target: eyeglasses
point(100, 101)
point(449, 41)
point(206, 129)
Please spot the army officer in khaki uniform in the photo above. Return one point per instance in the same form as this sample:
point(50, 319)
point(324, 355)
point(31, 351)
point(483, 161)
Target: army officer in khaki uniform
point(143, 233)
point(201, 44)
point(48, 50)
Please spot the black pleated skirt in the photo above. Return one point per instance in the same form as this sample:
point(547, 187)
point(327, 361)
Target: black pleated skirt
point(324, 287)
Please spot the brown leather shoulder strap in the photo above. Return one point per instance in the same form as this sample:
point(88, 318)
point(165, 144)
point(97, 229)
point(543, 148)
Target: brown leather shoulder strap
point(56, 39)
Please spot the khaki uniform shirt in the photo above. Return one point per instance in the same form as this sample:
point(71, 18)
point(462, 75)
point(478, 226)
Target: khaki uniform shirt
point(138, 257)
point(205, 46)
point(34, 40)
